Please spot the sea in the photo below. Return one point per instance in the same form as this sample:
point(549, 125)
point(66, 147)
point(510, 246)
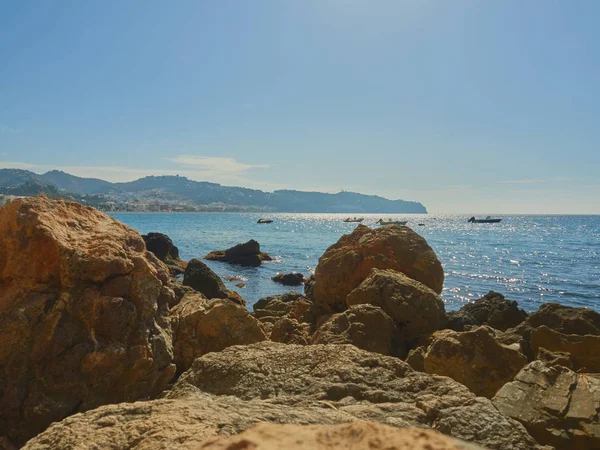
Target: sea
point(532, 259)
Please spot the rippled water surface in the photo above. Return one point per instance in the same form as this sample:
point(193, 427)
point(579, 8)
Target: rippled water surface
point(531, 259)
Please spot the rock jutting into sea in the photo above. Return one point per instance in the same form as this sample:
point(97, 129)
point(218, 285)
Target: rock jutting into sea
point(247, 254)
point(101, 348)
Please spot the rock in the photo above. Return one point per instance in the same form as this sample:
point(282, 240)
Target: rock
point(83, 314)
point(414, 307)
point(551, 359)
point(582, 351)
point(562, 319)
point(180, 291)
point(492, 309)
point(201, 326)
point(289, 279)
point(247, 254)
point(345, 265)
point(474, 358)
point(290, 331)
point(558, 406)
point(358, 435)
point(566, 319)
point(352, 382)
point(201, 278)
point(366, 326)
point(162, 247)
point(309, 283)
point(173, 424)
point(416, 359)
point(292, 304)
point(241, 285)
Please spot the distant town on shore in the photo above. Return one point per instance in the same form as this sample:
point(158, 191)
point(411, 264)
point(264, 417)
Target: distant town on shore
point(180, 194)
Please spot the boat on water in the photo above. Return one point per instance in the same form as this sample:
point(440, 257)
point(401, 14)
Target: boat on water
point(264, 221)
point(392, 222)
point(354, 220)
point(488, 219)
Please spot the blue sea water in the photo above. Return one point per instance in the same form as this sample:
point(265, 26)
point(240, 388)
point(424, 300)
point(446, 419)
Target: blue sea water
point(531, 259)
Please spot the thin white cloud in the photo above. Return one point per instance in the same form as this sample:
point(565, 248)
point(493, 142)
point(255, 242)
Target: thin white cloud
point(531, 181)
point(6, 129)
point(212, 163)
point(16, 165)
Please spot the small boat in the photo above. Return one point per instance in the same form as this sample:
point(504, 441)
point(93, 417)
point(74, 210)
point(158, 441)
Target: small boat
point(392, 222)
point(264, 221)
point(354, 220)
point(488, 219)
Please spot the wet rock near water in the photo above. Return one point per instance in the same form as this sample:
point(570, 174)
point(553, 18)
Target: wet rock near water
point(83, 314)
point(346, 264)
point(289, 279)
point(203, 279)
point(163, 248)
point(247, 254)
point(492, 309)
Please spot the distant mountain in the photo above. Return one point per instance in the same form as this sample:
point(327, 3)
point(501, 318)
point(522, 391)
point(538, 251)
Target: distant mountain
point(178, 190)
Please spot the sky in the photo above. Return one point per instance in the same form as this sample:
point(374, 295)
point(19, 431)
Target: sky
point(466, 106)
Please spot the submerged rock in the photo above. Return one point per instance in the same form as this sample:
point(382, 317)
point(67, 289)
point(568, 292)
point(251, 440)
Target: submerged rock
point(492, 309)
point(414, 308)
point(247, 254)
point(365, 326)
point(474, 358)
point(201, 278)
point(557, 406)
point(201, 326)
point(358, 435)
point(289, 279)
point(83, 314)
point(346, 264)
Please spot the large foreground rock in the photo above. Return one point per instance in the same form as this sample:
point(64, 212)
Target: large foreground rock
point(345, 265)
point(201, 326)
point(203, 279)
point(474, 358)
point(492, 309)
point(414, 307)
point(358, 435)
point(365, 326)
point(247, 254)
point(558, 406)
point(83, 314)
point(360, 384)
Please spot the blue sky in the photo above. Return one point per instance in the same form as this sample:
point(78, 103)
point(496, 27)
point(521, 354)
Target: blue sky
point(464, 105)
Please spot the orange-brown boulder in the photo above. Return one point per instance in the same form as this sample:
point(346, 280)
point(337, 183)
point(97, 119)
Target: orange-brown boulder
point(83, 314)
point(201, 326)
point(345, 265)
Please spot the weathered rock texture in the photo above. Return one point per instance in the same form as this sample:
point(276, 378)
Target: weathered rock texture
point(558, 406)
point(290, 331)
point(358, 435)
point(83, 309)
point(366, 326)
point(163, 248)
point(201, 278)
point(292, 305)
point(201, 326)
point(247, 254)
point(474, 358)
point(354, 382)
point(289, 279)
point(492, 309)
point(414, 308)
point(347, 263)
point(566, 319)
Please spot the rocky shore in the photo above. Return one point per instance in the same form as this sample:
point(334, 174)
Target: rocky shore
point(102, 347)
